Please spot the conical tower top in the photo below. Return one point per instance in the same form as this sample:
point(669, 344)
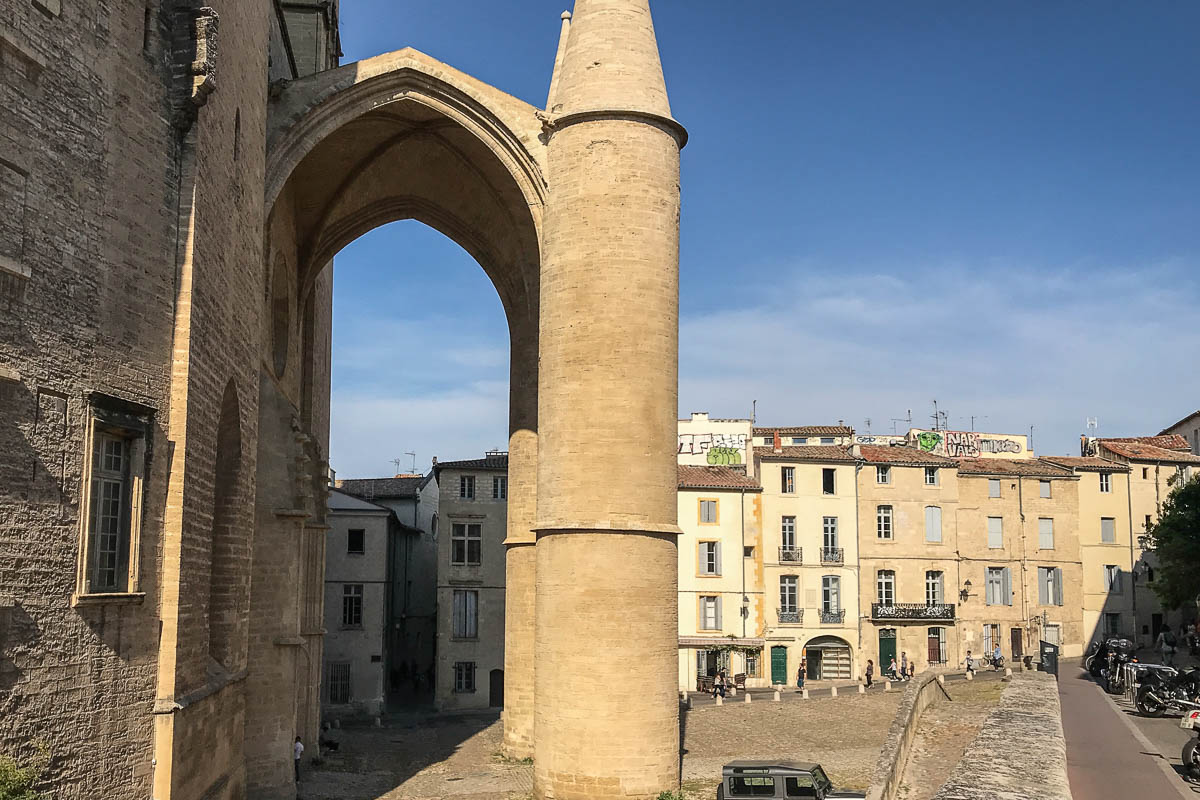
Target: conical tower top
point(611, 61)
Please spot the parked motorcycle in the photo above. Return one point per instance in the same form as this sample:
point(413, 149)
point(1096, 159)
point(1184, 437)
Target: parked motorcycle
point(1096, 660)
point(1191, 750)
point(1161, 691)
point(1120, 653)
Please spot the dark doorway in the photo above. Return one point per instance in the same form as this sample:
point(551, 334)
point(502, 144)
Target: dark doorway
point(1018, 641)
point(496, 688)
point(1156, 625)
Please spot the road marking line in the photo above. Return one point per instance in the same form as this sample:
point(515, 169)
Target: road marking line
point(1184, 789)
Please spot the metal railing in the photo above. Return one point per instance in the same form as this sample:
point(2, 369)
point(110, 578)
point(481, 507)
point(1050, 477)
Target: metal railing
point(793, 617)
point(936, 611)
point(833, 617)
point(791, 555)
point(831, 555)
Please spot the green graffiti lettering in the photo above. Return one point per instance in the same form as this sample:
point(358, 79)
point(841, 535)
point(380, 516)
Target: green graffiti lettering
point(724, 456)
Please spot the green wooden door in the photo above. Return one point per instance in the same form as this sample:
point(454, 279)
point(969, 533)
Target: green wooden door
point(887, 649)
point(779, 671)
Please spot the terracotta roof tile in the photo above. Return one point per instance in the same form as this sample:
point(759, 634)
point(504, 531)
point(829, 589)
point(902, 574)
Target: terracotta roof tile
point(1035, 467)
point(823, 453)
point(1135, 451)
point(699, 477)
point(1168, 441)
point(807, 430)
point(911, 456)
point(1087, 463)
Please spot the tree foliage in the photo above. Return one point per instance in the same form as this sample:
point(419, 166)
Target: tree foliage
point(16, 782)
point(1175, 539)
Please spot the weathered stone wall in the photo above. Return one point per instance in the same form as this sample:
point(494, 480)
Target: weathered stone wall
point(1020, 752)
point(924, 690)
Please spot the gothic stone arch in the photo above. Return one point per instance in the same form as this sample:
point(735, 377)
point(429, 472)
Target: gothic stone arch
point(573, 215)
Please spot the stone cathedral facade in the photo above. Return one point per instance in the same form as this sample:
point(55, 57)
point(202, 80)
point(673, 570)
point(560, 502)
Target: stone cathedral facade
point(175, 180)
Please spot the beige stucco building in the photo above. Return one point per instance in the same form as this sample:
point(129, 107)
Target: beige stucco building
point(720, 576)
point(473, 522)
point(1018, 534)
point(908, 555)
point(810, 559)
point(714, 442)
point(1189, 429)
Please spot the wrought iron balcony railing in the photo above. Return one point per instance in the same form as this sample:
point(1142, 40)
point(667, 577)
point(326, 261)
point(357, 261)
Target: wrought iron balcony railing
point(793, 617)
point(833, 617)
point(831, 555)
point(934, 611)
point(791, 555)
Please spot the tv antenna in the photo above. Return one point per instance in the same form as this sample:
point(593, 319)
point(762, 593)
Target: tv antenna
point(1093, 424)
point(868, 421)
point(396, 462)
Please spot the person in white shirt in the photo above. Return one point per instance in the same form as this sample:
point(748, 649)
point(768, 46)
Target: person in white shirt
point(297, 751)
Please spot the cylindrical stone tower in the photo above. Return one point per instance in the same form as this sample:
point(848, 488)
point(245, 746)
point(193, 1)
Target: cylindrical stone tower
point(606, 716)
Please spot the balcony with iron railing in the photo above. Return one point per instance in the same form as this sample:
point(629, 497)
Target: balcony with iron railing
point(913, 611)
point(791, 555)
point(833, 616)
point(791, 617)
point(831, 555)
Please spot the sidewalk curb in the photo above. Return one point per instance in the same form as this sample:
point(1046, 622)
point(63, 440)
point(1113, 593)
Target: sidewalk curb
point(1163, 762)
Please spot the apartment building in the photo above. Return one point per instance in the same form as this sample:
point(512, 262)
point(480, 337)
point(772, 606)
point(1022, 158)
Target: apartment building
point(838, 435)
point(1021, 578)
point(908, 559)
point(721, 605)
point(1189, 429)
point(1107, 545)
point(1157, 464)
point(705, 441)
point(473, 514)
point(810, 557)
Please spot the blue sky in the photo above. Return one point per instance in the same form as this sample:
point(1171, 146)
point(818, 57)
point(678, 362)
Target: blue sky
point(994, 205)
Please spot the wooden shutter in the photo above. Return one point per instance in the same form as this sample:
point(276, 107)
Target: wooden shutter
point(1006, 587)
point(1058, 587)
point(1043, 590)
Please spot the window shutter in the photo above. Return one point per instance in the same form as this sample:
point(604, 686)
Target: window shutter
point(933, 523)
point(719, 612)
point(1043, 592)
point(717, 571)
point(1006, 587)
point(1058, 587)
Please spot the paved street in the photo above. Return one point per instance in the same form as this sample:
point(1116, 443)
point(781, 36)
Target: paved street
point(1105, 759)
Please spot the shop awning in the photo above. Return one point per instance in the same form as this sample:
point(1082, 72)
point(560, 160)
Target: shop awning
point(703, 642)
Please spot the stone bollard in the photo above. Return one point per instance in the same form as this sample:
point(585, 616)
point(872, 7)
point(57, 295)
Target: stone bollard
point(747, 697)
point(887, 686)
point(941, 679)
point(733, 691)
point(378, 722)
point(862, 689)
point(804, 694)
point(685, 698)
point(688, 704)
point(1008, 672)
point(720, 700)
point(337, 723)
point(833, 691)
point(970, 675)
point(776, 695)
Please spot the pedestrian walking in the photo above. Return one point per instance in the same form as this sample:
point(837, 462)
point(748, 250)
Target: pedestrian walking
point(904, 666)
point(297, 751)
point(1166, 644)
point(870, 672)
point(719, 685)
point(893, 670)
point(970, 663)
point(800, 676)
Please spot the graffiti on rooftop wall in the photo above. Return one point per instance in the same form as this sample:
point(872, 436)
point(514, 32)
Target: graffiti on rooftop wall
point(719, 449)
point(883, 441)
point(965, 444)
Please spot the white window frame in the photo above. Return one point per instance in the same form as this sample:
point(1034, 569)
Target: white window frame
point(935, 587)
point(499, 487)
point(884, 523)
point(883, 474)
point(931, 476)
point(831, 594)
point(466, 487)
point(709, 557)
point(787, 532)
point(787, 480)
point(710, 612)
point(464, 677)
point(885, 587)
point(997, 586)
point(1050, 586)
point(1112, 578)
point(789, 594)
point(1105, 483)
point(352, 605)
point(829, 532)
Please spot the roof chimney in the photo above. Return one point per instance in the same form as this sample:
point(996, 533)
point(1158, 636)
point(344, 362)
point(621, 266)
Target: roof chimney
point(778, 443)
